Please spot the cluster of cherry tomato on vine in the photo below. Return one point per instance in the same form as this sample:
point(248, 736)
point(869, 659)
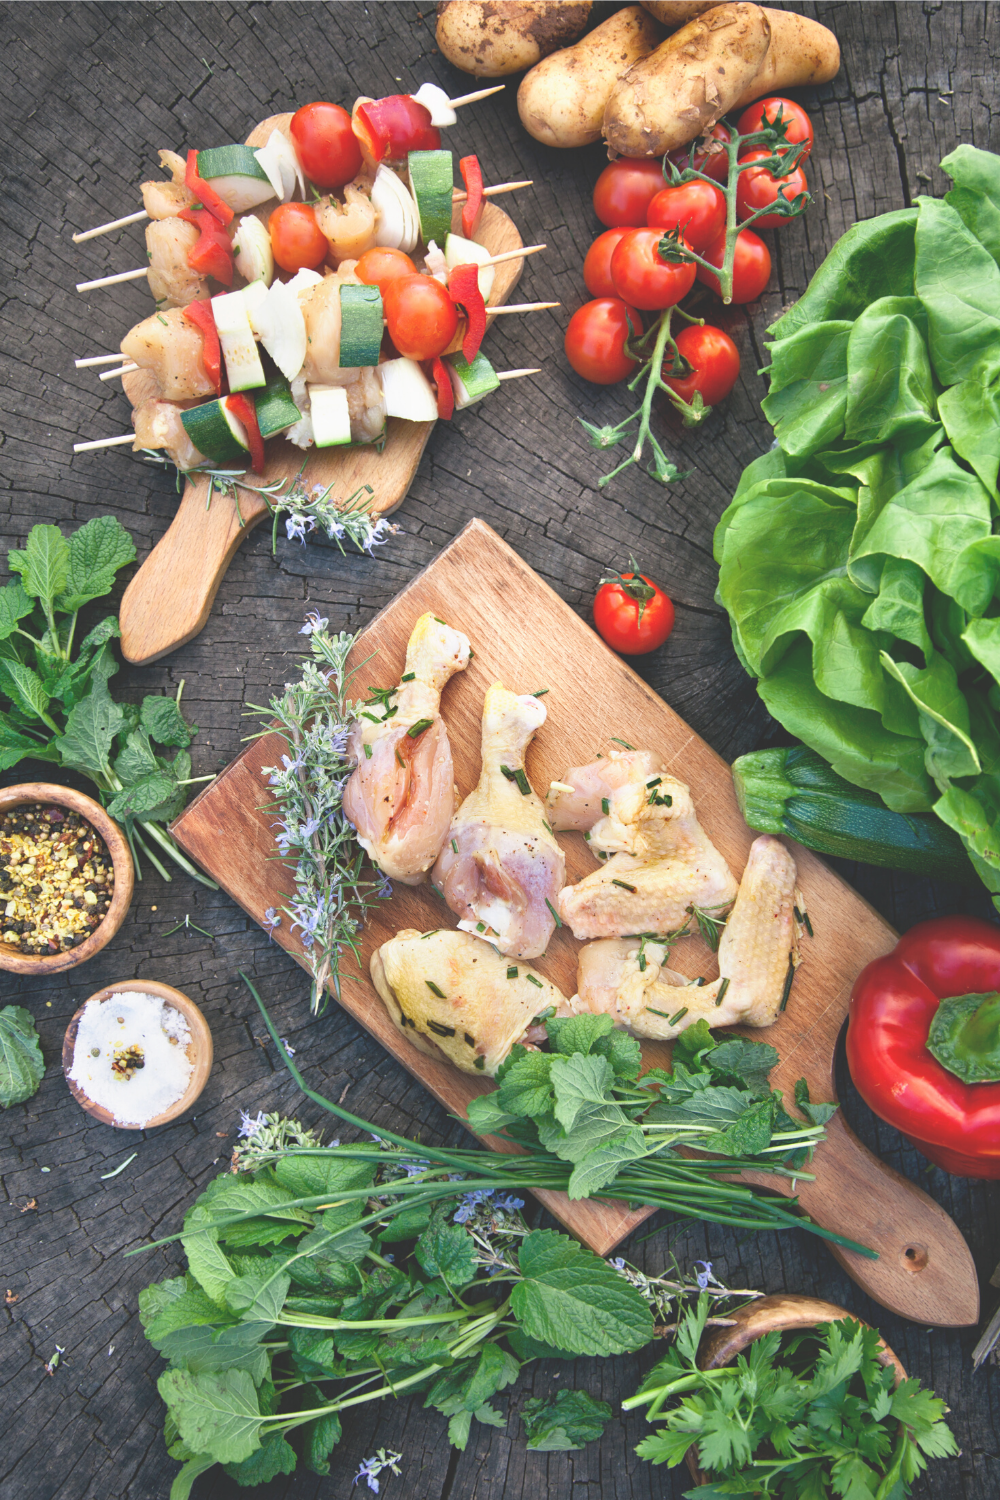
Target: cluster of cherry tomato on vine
point(626, 276)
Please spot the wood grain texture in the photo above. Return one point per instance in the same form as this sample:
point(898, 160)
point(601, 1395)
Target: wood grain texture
point(90, 92)
point(171, 596)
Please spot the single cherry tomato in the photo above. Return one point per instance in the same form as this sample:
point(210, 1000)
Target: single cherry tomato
point(380, 266)
point(326, 145)
point(751, 268)
point(597, 263)
point(759, 187)
point(697, 209)
point(623, 191)
point(642, 277)
point(420, 316)
point(631, 613)
point(714, 361)
point(595, 340)
point(296, 238)
point(798, 126)
point(709, 156)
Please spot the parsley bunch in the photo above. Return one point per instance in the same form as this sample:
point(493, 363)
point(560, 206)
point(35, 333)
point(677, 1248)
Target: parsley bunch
point(55, 704)
point(800, 1416)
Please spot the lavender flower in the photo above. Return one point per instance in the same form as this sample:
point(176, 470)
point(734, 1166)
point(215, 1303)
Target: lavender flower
point(271, 920)
point(248, 1126)
point(372, 1467)
point(704, 1276)
point(287, 1046)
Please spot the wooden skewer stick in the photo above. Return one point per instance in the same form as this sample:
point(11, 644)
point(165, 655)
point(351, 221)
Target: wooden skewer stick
point(496, 260)
point(90, 286)
point(496, 312)
point(91, 234)
point(458, 196)
point(97, 359)
point(516, 374)
point(126, 437)
point(113, 374)
point(472, 98)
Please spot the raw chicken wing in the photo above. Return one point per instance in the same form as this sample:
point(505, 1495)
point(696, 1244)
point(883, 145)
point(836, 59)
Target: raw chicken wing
point(402, 795)
point(500, 868)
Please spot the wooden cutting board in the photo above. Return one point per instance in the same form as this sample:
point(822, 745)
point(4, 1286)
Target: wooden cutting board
point(523, 634)
point(169, 600)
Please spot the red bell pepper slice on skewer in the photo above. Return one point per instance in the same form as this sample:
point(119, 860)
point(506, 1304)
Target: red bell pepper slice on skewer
point(206, 195)
point(472, 176)
point(463, 287)
point(390, 128)
point(203, 318)
point(213, 253)
point(445, 389)
point(244, 411)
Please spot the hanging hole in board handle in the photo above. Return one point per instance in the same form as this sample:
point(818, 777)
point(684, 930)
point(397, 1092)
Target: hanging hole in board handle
point(915, 1257)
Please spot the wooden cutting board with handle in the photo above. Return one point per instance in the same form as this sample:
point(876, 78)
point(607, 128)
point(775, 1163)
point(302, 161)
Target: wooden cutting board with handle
point(523, 634)
point(168, 601)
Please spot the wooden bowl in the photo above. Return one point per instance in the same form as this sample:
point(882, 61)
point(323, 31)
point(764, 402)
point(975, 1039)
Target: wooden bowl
point(121, 856)
point(199, 1050)
point(785, 1310)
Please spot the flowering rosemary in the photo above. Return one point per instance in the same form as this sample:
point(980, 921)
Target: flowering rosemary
point(313, 836)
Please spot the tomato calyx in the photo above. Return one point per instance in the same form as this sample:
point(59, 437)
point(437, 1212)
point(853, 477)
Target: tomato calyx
point(635, 584)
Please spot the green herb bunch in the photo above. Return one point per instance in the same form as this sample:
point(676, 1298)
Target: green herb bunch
point(800, 1416)
point(55, 704)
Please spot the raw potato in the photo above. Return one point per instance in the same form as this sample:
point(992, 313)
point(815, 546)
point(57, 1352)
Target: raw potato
point(673, 13)
point(561, 101)
point(690, 81)
point(801, 52)
point(506, 36)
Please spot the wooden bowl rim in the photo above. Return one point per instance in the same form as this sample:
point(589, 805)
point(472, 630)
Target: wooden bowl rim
point(121, 859)
point(200, 1045)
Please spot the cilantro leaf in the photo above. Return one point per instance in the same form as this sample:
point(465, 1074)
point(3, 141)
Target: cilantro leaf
point(43, 565)
point(217, 1414)
point(94, 555)
point(570, 1298)
point(21, 1063)
point(570, 1421)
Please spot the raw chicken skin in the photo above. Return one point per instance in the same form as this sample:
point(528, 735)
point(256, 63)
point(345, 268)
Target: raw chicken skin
point(658, 860)
point(500, 869)
point(401, 796)
point(480, 1012)
point(758, 953)
point(171, 347)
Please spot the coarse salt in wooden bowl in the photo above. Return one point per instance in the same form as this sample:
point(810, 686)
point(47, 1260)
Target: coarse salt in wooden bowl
point(200, 1051)
point(121, 858)
point(780, 1313)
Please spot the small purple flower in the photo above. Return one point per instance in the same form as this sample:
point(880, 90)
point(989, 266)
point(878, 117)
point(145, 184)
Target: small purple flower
point(296, 527)
point(384, 891)
point(618, 1263)
point(314, 622)
point(371, 1467)
point(287, 1046)
point(463, 1214)
point(704, 1276)
point(271, 921)
point(249, 1126)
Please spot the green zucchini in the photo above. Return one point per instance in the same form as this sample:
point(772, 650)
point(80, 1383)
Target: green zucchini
point(215, 432)
point(236, 175)
point(432, 179)
point(471, 382)
point(793, 791)
point(360, 326)
point(275, 408)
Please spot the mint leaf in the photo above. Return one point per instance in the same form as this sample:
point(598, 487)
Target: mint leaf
point(184, 1481)
point(15, 603)
point(191, 1307)
point(44, 563)
point(258, 1296)
point(748, 1135)
point(154, 1299)
point(94, 555)
point(525, 1088)
point(817, 1113)
point(277, 1456)
point(145, 798)
point(21, 1062)
point(137, 759)
point(320, 1436)
point(459, 1428)
point(468, 1385)
point(206, 1261)
point(216, 1414)
point(203, 1350)
point(486, 1116)
point(302, 1176)
point(749, 1062)
point(578, 1081)
point(600, 1166)
point(572, 1420)
point(449, 1251)
point(578, 1033)
point(623, 1053)
point(164, 722)
point(90, 731)
point(571, 1298)
point(25, 689)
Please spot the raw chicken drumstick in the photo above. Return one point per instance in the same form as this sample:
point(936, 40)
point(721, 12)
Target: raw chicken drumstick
point(500, 868)
point(402, 795)
point(658, 860)
point(758, 955)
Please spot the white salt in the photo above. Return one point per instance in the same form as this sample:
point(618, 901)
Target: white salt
point(131, 1020)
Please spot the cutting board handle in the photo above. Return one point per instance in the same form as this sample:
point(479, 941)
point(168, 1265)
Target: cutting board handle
point(925, 1270)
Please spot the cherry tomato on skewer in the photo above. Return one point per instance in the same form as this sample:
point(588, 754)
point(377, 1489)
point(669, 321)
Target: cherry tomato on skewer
point(751, 268)
point(326, 145)
point(714, 163)
point(597, 263)
point(595, 340)
point(380, 266)
point(759, 187)
point(798, 126)
point(623, 191)
point(714, 361)
point(296, 238)
point(697, 209)
point(632, 613)
point(642, 277)
point(420, 316)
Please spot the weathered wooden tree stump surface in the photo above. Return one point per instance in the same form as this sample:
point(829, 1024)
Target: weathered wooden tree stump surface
point(90, 93)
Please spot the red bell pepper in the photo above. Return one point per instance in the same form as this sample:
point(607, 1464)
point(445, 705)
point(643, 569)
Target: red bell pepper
point(244, 411)
point(923, 1042)
point(389, 129)
point(212, 255)
point(463, 288)
point(472, 176)
point(203, 318)
point(206, 195)
point(445, 389)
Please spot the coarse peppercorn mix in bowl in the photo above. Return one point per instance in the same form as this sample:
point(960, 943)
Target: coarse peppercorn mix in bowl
point(66, 878)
